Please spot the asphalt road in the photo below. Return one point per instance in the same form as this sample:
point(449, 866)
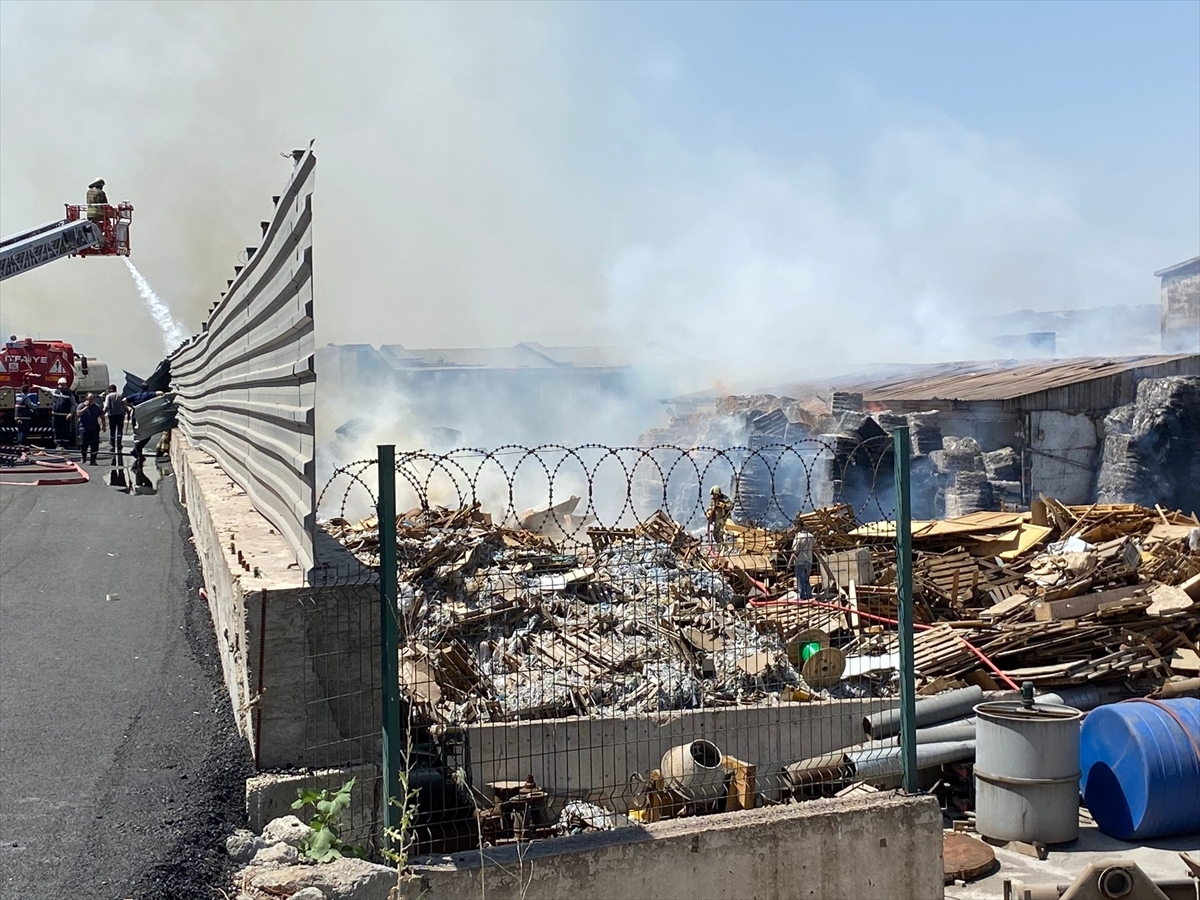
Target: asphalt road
point(120, 768)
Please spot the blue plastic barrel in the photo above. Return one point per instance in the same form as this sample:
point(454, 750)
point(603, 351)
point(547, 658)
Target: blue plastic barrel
point(1140, 764)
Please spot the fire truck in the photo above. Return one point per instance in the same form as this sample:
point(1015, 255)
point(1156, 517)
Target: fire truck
point(43, 363)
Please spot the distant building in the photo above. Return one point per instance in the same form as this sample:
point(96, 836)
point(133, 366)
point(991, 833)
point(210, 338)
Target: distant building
point(525, 366)
point(1181, 306)
point(519, 361)
point(1050, 412)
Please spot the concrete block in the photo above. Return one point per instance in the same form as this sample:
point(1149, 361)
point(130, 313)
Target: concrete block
point(271, 795)
point(293, 656)
point(344, 879)
point(883, 846)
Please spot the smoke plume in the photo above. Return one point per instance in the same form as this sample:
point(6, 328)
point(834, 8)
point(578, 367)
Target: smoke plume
point(499, 173)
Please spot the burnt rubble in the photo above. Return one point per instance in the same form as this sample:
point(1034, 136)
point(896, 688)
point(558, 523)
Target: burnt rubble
point(506, 623)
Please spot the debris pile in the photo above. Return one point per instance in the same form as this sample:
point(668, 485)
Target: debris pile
point(1090, 604)
point(735, 419)
point(788, 456)
point(1057, 596)
point(507, 623)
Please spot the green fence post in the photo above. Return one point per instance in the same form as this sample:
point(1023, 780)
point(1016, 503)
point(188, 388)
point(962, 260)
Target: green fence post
point(389, 641)
point(904, 589)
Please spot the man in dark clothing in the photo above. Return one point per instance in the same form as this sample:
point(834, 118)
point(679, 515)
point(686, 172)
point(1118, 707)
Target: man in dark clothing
point(115, 410)
point(62, 407)
point(89, 415)
point(96, 198)
point(26, 403)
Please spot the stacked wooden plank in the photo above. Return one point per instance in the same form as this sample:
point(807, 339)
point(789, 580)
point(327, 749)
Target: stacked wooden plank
point(1060, 595)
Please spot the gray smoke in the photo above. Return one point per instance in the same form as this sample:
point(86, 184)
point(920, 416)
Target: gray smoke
point(493, 173)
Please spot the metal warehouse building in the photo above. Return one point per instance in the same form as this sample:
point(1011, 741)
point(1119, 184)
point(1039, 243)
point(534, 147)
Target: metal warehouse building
point(1051, 411)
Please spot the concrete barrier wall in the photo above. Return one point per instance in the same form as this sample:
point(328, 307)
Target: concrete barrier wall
point(594, 758)
point(297, 660)
point(885, 846)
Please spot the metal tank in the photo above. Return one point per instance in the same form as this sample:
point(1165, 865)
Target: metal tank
point(1027, 771)
point(93, 380)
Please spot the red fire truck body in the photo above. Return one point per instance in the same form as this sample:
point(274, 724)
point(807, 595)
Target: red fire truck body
point(43, 363)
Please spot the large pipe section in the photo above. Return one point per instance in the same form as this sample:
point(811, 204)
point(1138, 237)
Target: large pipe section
point(874, 762)
point(930, 711)
point(935, 714)
point(954, 730)
point(963, 729)
point(883, 762)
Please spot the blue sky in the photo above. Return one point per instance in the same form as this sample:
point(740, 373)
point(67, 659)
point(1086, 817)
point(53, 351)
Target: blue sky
point(1105, 93)
point(868, 175)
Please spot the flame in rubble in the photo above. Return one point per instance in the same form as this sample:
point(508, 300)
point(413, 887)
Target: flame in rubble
point(173, 331)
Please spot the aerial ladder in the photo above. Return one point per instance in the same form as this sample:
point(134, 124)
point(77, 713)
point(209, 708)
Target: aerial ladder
point(74, 235)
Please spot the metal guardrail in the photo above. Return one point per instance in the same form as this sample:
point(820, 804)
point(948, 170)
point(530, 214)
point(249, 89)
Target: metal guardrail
point(247, 385)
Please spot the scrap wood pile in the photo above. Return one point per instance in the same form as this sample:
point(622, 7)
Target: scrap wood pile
point(1058, 595)
point(507, 623)
point(1106, 593)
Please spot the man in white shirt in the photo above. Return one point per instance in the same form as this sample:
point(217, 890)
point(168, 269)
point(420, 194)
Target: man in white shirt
point(802, 560)
point(115, 411)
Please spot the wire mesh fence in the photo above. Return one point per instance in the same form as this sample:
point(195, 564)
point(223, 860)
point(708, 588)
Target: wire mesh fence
point(592, 637)
point(341, 696)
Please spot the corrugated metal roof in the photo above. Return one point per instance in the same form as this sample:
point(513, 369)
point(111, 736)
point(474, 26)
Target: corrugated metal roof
point(1000, 379)
point(1194, 261)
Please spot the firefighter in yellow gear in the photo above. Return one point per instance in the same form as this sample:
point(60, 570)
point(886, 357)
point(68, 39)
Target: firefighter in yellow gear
point(719, 509)
point(96, 200)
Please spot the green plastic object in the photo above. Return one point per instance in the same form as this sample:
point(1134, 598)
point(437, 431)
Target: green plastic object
point(807, 651)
